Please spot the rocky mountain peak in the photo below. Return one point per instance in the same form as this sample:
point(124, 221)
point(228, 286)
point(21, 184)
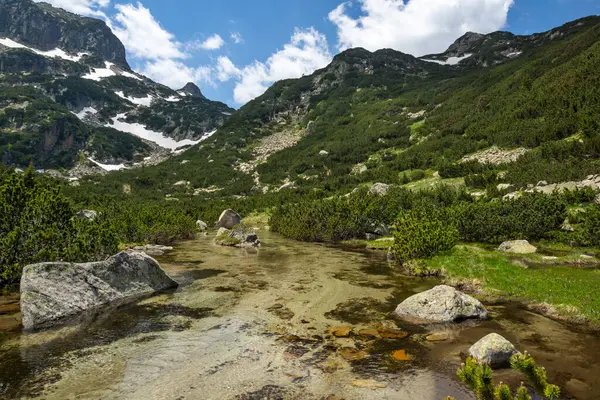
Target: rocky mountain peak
point(464, 43)
point(191, 89)
point(43, 27)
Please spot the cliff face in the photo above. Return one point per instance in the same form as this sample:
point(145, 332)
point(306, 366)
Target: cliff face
point(46, 28)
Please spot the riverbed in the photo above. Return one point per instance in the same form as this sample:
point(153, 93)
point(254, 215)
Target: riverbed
point(255, 324)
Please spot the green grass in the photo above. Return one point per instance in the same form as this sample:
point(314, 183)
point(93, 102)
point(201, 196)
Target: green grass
point(564, 287)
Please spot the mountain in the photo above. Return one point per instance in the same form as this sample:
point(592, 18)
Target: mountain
point(390, 117)
point(68, 96)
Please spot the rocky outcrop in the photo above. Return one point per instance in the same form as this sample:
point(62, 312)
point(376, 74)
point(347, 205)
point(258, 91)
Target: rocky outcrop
point(379, 189)
point(493, 350)
point(517, 247)
point(90, 215)
point(53, 292)
point(46, 28)
point(229, 219)
point(191, 89)
point(496, 156)
point(201, 225)
point(440, 304)
point(239, 236)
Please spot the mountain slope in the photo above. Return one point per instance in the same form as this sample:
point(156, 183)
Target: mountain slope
point(381, 116)
point(67, 88)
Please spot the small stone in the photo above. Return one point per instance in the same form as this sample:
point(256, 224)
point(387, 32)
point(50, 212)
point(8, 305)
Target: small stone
point(351, 354)
point(341, 331)
point(371, 333)
point(493, 350)
point(438, 337)
point(369, 384)
point(401, 355)
point(517, 247)
point(391, 333)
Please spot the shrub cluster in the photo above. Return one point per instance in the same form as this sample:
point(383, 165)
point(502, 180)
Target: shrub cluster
point(421, 234)
point(38, 224)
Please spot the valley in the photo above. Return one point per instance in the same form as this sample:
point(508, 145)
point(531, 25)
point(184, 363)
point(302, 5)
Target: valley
point(386, 225)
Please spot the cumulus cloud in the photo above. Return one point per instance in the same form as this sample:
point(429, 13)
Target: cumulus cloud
point(307, 51)
point(83, 7)
point(214, 42)
point(237, 37)
point(159, 55)
point(142, 34)
point(176, 74)
point(417, 27)
point(226, 70)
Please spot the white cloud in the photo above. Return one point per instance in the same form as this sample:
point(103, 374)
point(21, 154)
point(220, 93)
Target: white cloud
point(306, 52)
point(226, 70)
point(83, 7)
point(416, 26)
point(237, 37)
point(142, 34)
point(214, 42)
point(175, 74)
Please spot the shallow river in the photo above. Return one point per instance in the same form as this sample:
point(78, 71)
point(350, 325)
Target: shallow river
point(254, 324)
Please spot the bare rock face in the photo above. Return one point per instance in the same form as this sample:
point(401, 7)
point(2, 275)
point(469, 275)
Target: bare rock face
point(517, 247)
point(440, 304)
point(379, 189)
point(52, 292)
point(493, 350)
point(229, 219)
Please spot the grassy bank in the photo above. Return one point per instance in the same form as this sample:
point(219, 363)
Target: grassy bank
point(567, 287)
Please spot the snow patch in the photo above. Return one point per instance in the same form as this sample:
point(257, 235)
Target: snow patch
point(140, 101)
point(173, 99)
point(86, 113)
point(514, 54)
point(108, 167)
point(98, 73)
point(50, 53)
point(449, 60)
point(141, 131)
point(130, 75)
point(225, 113)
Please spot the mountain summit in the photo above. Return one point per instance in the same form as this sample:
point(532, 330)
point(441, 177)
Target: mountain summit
point(68, 96)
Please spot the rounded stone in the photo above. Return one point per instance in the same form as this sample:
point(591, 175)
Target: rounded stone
point(493, 350)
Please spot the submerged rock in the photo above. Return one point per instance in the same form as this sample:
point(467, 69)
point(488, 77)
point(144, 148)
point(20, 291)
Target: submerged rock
point(440, 304)
point(51, 292)
point(493, 350)
point(517, 247)
point(229, 219)
point(153, 249)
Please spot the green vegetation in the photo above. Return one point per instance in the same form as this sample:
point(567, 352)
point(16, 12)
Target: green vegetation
point(479, 379)
point(38, 224)
point(573, 291)
point(421, 234)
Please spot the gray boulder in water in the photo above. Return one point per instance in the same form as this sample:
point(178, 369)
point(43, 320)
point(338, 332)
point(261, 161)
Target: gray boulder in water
point(493, 350)
point(52, 292)
point(201, 225)
point(440, 304)
point(240, 236)
point(229, 219)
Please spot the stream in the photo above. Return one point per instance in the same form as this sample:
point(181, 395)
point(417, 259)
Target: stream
point(255, 323)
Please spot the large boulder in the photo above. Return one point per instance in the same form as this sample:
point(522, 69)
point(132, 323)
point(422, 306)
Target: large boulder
point(239, 236)
point(52, 292)
point(379, 189)
point(440, 304)
point(517, 247)
point(229, 219)
point(493, 350)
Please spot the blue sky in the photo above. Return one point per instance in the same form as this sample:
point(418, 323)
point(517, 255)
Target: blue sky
point(235, 49)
